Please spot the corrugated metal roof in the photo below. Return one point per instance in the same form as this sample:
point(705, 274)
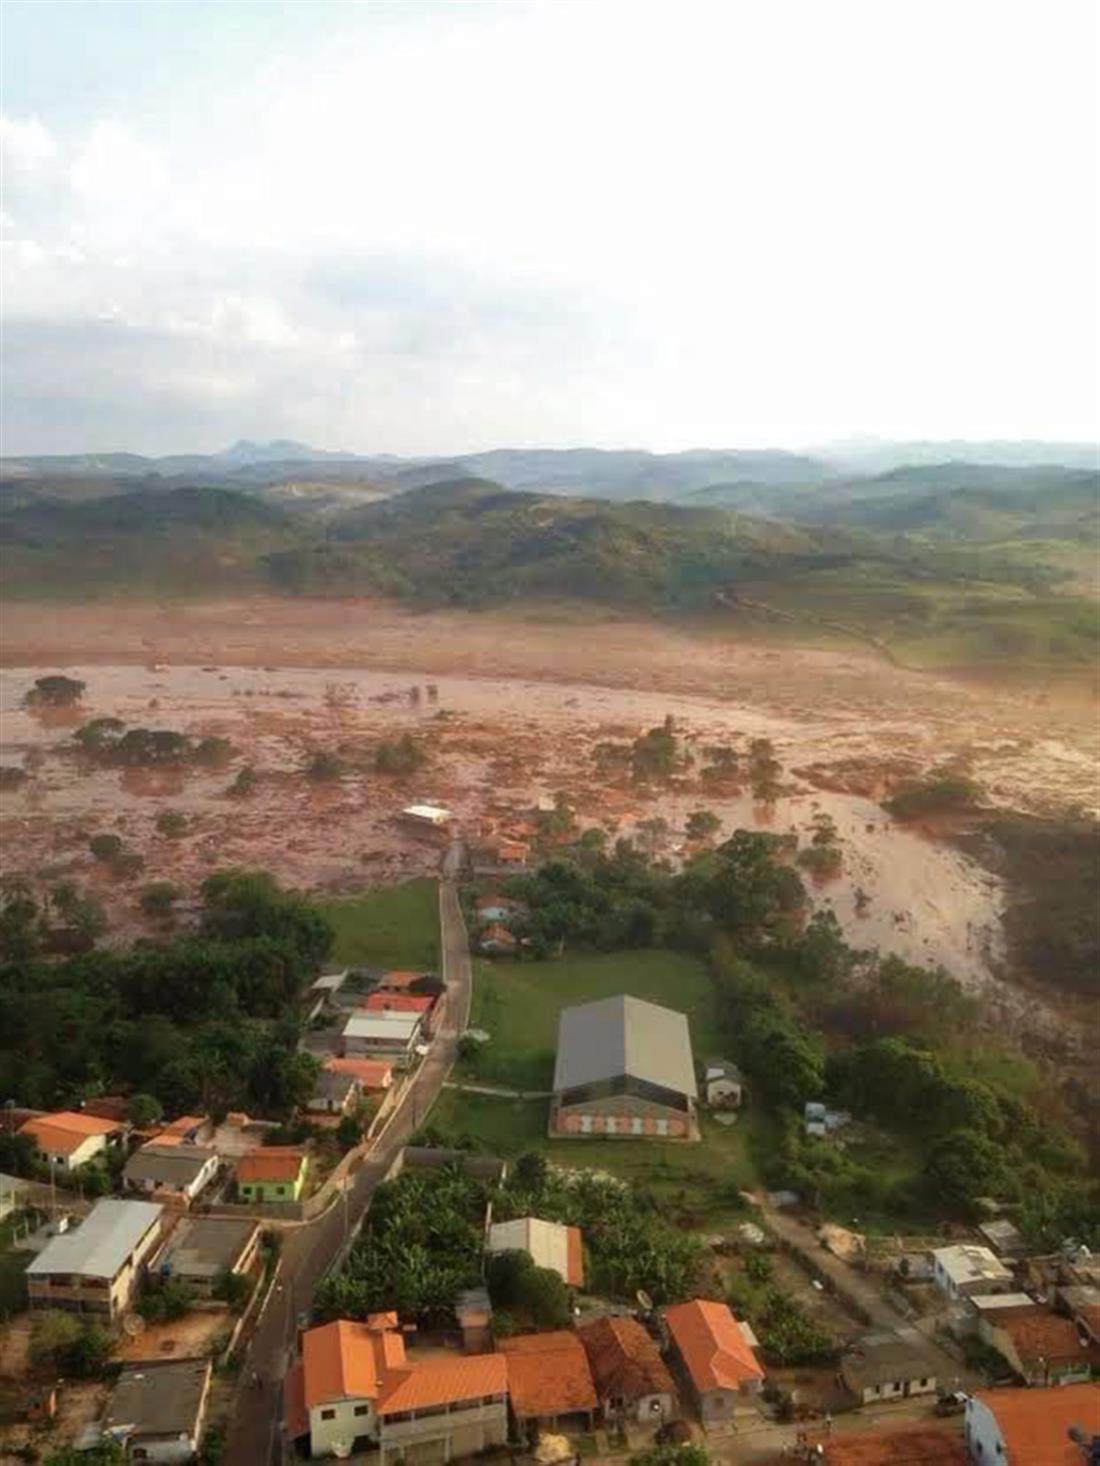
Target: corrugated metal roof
point(102, 1242)
point(549, 1244)
point(170, 1165)
point(382, 1025)
point(624, 1035)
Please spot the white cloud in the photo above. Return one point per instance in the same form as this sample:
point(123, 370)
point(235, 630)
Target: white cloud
point(26, 143)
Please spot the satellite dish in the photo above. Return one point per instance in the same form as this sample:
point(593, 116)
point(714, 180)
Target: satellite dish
point(133, 1324)
point(644, 1300)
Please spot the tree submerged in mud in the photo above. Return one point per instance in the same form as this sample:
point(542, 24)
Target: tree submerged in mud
point(109, 741)
point(55, 691)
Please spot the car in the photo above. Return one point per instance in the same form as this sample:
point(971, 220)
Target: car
point(951, 1403)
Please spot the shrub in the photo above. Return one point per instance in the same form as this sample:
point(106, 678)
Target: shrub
point(324, 765)
point(105, 847)
point(171, 822)
point(158, 897)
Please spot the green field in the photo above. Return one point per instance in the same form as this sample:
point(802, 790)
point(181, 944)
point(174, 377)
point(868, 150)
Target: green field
point(697, 1181)
point(392, 926)
point(518, 1004)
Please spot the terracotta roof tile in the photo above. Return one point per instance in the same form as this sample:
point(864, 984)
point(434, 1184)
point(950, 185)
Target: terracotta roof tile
point(399, 978)
point(339, 1363)
point(66, 1131)
point(715, 1351)
point(429, 1382)
point(1034, 1422)
point(625, 1359)
point(909, 1445)
point(397, 1003)
point(271, 1163)
point(548, 1374)
point(371, 1073)
point(1036, 1333)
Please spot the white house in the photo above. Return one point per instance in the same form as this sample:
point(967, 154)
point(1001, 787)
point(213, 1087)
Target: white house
point(430, 816)
point(383, 1035)
point(177, 1171)
point(964, 1270)
point(69, 1138)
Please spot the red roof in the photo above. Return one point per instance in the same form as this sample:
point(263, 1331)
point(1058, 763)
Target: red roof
point(1036, 1334)
point(371, 1073)
point(367, 1361)
point(400, 978)
point(1034, 1422)
point(397, 1003)
point(714, 1350)
point(548, 1374)
point(66, 1131)
point(625, 1359)
point(909, 1445)
point(271, 1163)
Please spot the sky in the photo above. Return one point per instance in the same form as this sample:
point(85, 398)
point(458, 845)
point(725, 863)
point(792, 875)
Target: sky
point(438, 228)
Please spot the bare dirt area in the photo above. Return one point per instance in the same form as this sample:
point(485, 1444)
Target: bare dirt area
point(507, 711)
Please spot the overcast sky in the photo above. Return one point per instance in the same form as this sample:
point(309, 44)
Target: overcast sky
point(444, 227)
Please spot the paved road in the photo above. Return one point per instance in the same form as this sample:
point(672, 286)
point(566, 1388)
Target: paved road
point(309, 1251)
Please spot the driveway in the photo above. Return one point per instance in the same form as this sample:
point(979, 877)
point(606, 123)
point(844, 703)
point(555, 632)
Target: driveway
point(310, 1251)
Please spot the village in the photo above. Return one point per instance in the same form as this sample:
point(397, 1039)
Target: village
point(968, 1351)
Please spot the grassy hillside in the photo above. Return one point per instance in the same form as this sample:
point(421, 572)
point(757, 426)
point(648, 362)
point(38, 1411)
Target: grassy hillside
point(929, 599)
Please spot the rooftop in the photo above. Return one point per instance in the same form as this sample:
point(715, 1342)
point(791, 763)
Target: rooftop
point(714, 1349)
point(67, 1130)
point(624, 1035)
point(400, 1026)
point(548, 1243)
point(992, 1302)
point(102, 1242)
point(333, 1085)
point(398, 1003)
point(397, 979)
point(1035, 1422)
point(159, 1398)
point(1037, 1333)
point(880, 1356)
point(968, 1263)
point(271, 1163)
point(371, 1073)
point(171, 1165)
point(548, 1374)
point(206, 1247)
point(624, 1358)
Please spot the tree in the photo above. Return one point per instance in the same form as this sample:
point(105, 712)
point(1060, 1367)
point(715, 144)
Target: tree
point(55, 691)
point(171, 822)
point(529, 1171)
point(127, 864)
point(19, 918)
point(212, 750)
point(143, 1110)
point(105, 847)
point(105, 1453)
point(349, 1132)
point(244, 783)
point(100, 736)
point(158, 897)
point(671, 1455)
point(232, 1288)
point(324, 765)
point(402, 756)
point(654, 754)
point(51, 1332)
point(702, 824)
point(965, 1165)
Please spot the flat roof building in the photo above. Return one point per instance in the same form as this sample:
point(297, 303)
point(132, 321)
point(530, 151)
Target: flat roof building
point(881, 1365)
point(624, 1067)
point(390, 1036)
point(964, 1270)
point(548, 1244)
point(97, 1266)
point(157, 1410)
point(201, 1250)
point(179, 1171)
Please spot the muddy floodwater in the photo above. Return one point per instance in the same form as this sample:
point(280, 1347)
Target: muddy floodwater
point(495, 744)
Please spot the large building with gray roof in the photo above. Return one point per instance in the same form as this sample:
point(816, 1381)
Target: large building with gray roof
point(624, 1068)
point(97, 1266)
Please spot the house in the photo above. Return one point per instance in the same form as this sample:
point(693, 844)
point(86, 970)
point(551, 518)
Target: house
point(175, 1173)
point(497, 940)
point(510, 852)
point(403, 980)
point(1023, 1427)
point(632, 1380)
point(919, 1443)
point(97, 1266)
point(69, 1138)
point(497, 908)
point(157, 1410)
point(1041, 1347)
point(371, 1074)
point(1081, 1301)
point(426, 1004)
point(202, 1250)
point(723, 1084)
point(716, 1356)
point(187, 1130)
point(334, 1093)
point(354, 1388)
point(1004, 1238)
point(548, 1380)
point(330, 983)
point(427, 816)
point(548, 1244)
point(392, 1036)
point(882, 1366)
point(962, 1271)
point(272, 1173)
point(13, 1194)
point(624, 1067)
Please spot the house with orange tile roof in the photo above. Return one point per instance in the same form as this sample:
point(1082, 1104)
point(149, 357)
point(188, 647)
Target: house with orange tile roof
point(69, 1138)
point(919, 1444)
point(548, 1379)
point(272, 1173)
point(1041, 1347)
point(716, 1356)
point(371, 1073)
point(1030, 1427)
point(401, 980)
point(631, 1379)
point(355, 1388)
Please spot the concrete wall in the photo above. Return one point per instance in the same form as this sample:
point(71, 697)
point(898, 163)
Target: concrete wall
point(343, 1420)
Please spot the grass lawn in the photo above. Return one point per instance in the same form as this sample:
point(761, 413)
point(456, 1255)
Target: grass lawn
point(518, 1004)
point(391, 926)
point(696, 1180)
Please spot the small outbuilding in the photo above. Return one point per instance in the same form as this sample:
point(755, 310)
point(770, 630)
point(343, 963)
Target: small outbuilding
point(174, 1173)
point(548, 1244)
point(723, 1084)
point(882, 1366)
point(158, 1410)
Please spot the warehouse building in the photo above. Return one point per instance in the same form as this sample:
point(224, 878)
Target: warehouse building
point(624, 1068)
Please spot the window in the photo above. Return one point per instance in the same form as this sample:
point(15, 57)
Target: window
point(362, 1409)
point(328, 1414)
